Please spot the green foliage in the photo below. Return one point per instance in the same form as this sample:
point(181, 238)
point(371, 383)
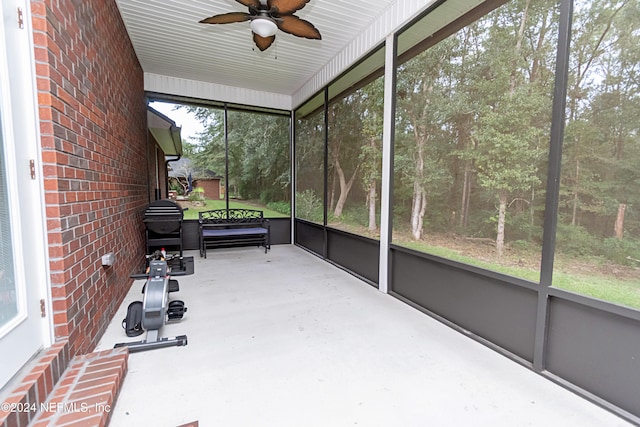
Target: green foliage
point(355, 146)
point(524, 246)
point(508, 152)
point(197, 194)
point(258, 152)
point(174, 185)
point(578, 242)
point(473, 117)
point(621, 251)
point(192, 212)
point(473, 120)
point(358, 215)
point(309, 147)
point(523, 227)
point(282, 207)
point(309, 206)
point(602, 138)
point(575, 240)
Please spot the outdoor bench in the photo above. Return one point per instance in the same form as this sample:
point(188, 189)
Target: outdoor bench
point(233, 227)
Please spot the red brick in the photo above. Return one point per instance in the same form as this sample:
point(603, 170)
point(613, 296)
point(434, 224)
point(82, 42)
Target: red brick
point(107, 358)
point(91, 392)
point(117, 364)
point(96, 403)
point(79, 419)
point(76, 124)
point(43, 391)
point(88, 384)
point(61, 390)
point(39, 24)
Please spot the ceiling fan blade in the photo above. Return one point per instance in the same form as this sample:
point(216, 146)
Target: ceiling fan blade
point(263, 42)
point(226, 18)
point(250, 3)
point(298, 27)
point(286, 7)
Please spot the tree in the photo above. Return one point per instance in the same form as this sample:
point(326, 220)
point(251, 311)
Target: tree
point(258, 152)
point(507, 159)
point(509, 132)
point(260, 144)
point(420, 98)
point(208, 149)
point(344, 131)
point(309, 165)
point(371, 103)
point(600, 176)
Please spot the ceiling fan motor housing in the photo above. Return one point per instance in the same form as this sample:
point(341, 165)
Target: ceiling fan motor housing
point(267, 16)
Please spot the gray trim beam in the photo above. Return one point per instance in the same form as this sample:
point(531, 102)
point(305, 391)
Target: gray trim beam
point(553, 180)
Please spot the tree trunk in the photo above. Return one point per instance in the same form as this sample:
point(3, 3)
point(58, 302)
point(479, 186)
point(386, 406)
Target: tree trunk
point(418, 208)
point(466, 195)
point(618, 228)
point(419, 203)
point(501, 220)
point(532, 211)
point(345, 187)
point(518, 47)
point(575, 195)
point(371, 200)
point(332, 193)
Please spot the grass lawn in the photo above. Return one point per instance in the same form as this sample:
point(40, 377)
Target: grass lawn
point(192, 212)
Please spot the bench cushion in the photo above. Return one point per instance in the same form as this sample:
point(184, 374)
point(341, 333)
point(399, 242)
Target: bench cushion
point(221, 232)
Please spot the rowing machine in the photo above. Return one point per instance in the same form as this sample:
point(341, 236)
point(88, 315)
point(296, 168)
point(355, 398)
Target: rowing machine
point(150, 314)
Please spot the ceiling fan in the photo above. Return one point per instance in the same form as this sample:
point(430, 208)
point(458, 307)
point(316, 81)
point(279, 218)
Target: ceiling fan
point(267, 16)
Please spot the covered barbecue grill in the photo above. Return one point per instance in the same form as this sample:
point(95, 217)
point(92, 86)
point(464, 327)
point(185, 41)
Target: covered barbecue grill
point(163, 222)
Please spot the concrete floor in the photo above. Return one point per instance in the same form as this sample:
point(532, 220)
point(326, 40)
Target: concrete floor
point(286, 339)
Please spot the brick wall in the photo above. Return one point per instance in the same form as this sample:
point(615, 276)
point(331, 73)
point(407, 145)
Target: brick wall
point(152, 159)
point(211, 187)
point(157, 167)
point(93, 131)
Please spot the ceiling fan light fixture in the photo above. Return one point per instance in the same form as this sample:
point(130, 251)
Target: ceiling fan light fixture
point(264, 27)
point(267, 17)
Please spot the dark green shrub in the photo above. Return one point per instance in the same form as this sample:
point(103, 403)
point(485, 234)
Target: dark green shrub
point(282, 207)
point(575, 240)
point(621, 251)
point(309, 206)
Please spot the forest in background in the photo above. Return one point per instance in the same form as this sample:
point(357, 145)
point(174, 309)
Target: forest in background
point(471, 152)
point(473, 130)
point(258, 161)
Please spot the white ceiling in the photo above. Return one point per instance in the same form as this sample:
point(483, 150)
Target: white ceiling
point(169, 41)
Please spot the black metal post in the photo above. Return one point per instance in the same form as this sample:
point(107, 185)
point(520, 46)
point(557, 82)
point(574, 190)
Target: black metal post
point(553, 180)
point(226, 157)
point(326, 170)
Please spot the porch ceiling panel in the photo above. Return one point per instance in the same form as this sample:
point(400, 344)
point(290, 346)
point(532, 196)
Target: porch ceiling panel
point(169, 41)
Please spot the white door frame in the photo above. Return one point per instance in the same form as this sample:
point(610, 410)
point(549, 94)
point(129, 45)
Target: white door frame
point(21, 138)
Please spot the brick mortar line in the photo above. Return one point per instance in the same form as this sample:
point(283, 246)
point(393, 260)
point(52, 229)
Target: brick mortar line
point(56, 415)
point(38, 373)
point(66, 397)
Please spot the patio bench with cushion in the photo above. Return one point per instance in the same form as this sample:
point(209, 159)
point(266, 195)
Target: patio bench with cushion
point(233, 227)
